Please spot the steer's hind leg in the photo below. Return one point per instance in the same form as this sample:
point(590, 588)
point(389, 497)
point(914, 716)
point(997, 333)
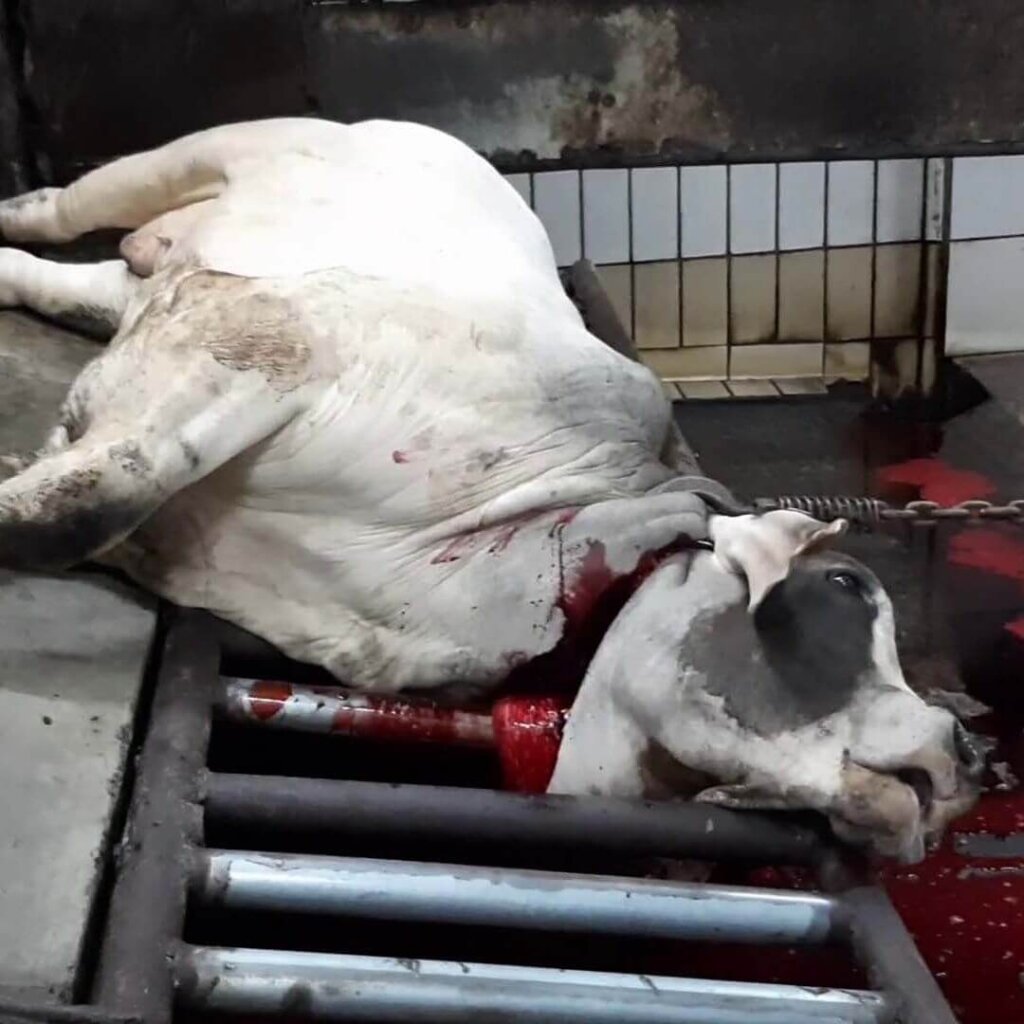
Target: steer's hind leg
point(132, 191)
point(89, 296)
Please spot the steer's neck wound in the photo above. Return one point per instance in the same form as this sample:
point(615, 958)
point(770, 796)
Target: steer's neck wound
point(590, 604)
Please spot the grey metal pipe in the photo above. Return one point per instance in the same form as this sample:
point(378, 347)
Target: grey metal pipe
point(332, 709)
point(893, 962)
point(326, 986)
point(344, 808)
point(152, 872)
point(408, 891)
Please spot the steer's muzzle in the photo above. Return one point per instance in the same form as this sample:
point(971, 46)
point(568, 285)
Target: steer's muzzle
point(901, 808)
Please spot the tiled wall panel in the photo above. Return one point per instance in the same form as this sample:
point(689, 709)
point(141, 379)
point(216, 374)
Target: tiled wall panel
point(655, 218)
point(985, 310)
point(796, 270)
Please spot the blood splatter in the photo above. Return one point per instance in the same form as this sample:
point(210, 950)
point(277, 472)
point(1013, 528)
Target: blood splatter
point(990, 551)
point(527, 732)
point(562, 520)
point(266, 698)
point(399, 456)
point(456, 548)
point(589, 584)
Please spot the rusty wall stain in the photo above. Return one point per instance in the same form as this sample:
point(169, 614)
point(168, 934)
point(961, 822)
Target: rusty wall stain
point(537, 83)
point(542, 80)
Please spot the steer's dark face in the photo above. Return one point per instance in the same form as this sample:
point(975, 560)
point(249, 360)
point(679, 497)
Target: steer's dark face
point(807, 680)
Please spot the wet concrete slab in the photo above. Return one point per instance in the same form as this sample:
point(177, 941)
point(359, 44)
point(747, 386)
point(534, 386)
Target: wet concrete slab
point(1002, 376)
point(73, 651)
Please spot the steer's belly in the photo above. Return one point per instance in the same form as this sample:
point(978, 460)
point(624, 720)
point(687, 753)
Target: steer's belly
point(424, 410)
point(387, 609)
point(380, 611)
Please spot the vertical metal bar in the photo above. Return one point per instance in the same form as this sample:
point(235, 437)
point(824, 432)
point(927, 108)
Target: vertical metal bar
point(147, 907)
point(894, 965)
point(942, 273)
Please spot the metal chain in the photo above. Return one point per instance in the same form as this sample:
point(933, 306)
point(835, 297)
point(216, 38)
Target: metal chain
point(873, 511)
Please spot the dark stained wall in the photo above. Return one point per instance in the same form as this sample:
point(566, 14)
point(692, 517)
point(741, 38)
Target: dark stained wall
point(13, 177)
point(532, 82)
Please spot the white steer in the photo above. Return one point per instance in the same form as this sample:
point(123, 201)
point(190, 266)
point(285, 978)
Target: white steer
point(348, 406)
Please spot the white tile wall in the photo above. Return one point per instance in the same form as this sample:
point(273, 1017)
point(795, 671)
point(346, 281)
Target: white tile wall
point(521, 183)
point(850, 202)
point(606, 216)
point(691, 210)
point(702, 192)
point(988, 196)
point(801, 205)
point(900, 200)
point(985, 306)
point(655, 193)
point(556, 198)
point(752, 208)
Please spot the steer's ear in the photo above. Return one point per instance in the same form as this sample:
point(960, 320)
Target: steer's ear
point(761, 548)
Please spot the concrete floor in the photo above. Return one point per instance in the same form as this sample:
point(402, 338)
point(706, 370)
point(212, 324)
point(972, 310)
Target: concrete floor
point(72, 656)
point(1003, 377)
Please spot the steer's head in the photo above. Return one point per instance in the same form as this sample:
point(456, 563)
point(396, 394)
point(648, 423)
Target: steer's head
point(764, 675)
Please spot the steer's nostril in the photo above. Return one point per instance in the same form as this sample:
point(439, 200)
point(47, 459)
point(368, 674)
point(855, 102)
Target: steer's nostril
point(921, 783)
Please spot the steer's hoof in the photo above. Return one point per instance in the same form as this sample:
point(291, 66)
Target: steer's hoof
point(30, 217)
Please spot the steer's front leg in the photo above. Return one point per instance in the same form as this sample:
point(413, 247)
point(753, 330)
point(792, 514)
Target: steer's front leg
point(148, 436)
point(92, 296)
point(71, 506)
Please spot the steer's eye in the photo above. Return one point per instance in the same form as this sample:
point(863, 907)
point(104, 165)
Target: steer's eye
point(846, 580)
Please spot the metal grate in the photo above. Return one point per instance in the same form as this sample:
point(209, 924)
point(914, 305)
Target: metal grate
point(146, 967)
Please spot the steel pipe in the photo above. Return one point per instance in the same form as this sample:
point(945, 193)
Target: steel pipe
point(152, 870)
point(524, 732)
point(330, 709)
point(325, 986)
point(884, 946)
point(615, 827)
point(409, 891)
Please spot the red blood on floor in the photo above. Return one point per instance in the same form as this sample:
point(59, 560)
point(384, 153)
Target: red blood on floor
point(991, 550)
point(967, 916)
point(937, 480)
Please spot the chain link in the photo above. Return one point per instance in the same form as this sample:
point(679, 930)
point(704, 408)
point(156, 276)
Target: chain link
point(966, 511)
point(872, 511)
